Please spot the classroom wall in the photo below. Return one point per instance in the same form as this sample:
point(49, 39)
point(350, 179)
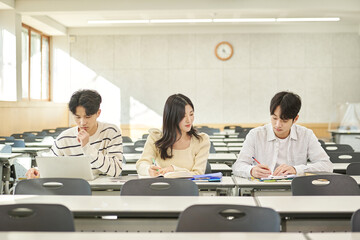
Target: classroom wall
point(137, 72)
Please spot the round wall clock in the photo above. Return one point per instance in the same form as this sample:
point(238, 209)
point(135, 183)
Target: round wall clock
point(224, 51)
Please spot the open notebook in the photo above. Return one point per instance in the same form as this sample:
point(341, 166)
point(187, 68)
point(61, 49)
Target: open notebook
point(285, 177)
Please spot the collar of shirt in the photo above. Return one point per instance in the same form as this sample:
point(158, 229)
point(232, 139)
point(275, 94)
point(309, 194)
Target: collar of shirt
point(271, 135)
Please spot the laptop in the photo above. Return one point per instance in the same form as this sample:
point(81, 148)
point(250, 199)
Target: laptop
point(65, 167)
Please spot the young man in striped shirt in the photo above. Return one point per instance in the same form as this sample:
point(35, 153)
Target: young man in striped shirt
point(101, 141)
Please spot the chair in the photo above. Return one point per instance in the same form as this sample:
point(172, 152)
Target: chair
point(145, 136)
point(6, 139)
point(5, 149)
point(212, 148)
point(353, 169)
point(18, 135)
point(126, 139)
point(53, 186)
point(18, 143)
point(355, 221)
point(321, 142)
point(337, 148)
point(159, 187)
point(130, 149)
point(36, 217)
point(344, 157)
point(326, 185)
point(228, 218)
point(208, 131)
point(208, 168)
point(140, 143)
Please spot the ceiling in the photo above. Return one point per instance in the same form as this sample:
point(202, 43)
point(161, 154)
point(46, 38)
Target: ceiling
point(58, 16)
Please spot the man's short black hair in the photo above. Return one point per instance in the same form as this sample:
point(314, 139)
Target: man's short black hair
point(89, 99)
point(290, 104)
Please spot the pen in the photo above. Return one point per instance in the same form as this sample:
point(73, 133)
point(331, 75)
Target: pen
point(256, 160)
point(154, 163)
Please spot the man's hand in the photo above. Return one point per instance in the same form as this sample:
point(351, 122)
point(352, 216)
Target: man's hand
point(32, 173)
point(284, 169)
point(83, 137)
point(260, 171)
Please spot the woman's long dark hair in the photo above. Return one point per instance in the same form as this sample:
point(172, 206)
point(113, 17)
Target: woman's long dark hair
point(174, 112)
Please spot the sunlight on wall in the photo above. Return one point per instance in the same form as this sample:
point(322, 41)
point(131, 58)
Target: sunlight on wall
point(7, 66)
point(141, 114)
point(83, 77)
point(61, 78)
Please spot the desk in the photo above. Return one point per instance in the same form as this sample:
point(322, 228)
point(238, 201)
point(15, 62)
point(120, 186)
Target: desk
point(111, 186)
point(133, 213)
point(5, 176)
point(347, 137)
point(234, 140)
point(152, 236)
point(130, 168)
point(38, 144)
point(334, 236)
point(340, 167)
point(257, 188)
point(219, 144)
point(313, 213)
point(227, 158)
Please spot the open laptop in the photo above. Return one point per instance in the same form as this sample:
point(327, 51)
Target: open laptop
point(65, 167)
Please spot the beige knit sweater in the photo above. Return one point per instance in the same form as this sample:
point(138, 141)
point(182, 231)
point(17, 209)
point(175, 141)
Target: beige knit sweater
point(192, 159)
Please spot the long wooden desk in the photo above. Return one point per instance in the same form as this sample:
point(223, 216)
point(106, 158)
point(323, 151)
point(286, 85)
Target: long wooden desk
point(313, 213)
point(150, 236)
point(111, 186)
point(125, 213)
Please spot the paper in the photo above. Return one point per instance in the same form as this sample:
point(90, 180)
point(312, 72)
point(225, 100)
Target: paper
point(271, 177)
point(180, 174)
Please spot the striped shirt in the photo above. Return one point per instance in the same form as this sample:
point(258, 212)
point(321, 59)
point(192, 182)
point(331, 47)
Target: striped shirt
point(105, 148)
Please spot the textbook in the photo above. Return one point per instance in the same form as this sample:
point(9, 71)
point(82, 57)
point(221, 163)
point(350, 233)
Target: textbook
point(210, 177)
point(285, 177)
point(179, 174)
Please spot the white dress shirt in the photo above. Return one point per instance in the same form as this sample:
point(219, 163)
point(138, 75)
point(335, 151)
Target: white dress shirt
point(262, 144)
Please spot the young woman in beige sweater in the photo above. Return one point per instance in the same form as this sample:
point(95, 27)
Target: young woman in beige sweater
point(178, 147)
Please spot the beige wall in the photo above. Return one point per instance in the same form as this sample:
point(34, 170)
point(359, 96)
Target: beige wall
point(17, 117)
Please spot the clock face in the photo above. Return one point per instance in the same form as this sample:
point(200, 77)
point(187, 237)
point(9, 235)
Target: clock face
point(224, 51)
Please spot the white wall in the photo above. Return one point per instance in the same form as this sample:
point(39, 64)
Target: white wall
point(8, 80)
point(136, 73)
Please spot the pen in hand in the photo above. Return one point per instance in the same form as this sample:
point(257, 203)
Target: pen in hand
point(154, 163)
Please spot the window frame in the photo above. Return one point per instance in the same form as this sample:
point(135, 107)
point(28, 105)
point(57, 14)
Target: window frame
point(42, 35)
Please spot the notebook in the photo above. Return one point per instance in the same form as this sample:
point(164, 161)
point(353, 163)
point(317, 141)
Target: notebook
point(65, 167)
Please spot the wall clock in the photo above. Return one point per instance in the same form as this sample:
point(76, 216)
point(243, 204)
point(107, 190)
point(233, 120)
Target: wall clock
point(224, 51)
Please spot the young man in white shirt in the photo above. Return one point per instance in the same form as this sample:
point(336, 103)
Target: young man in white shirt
point(281, 147)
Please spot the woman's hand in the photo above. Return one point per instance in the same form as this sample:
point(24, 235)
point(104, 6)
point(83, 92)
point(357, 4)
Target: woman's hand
point(154, 171)
point(166, 169)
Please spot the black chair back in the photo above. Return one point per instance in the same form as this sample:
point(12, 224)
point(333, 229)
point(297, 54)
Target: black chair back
point(353, 169)
point(228, 218)
point(126, 139)
point(344, 157)
point(325, 185)
point(159, 187)
point(330, 148)
point(36, 217)
point(355, 221)
point(53, 186)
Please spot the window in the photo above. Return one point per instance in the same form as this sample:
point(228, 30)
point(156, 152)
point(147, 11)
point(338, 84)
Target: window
point(35, 65)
